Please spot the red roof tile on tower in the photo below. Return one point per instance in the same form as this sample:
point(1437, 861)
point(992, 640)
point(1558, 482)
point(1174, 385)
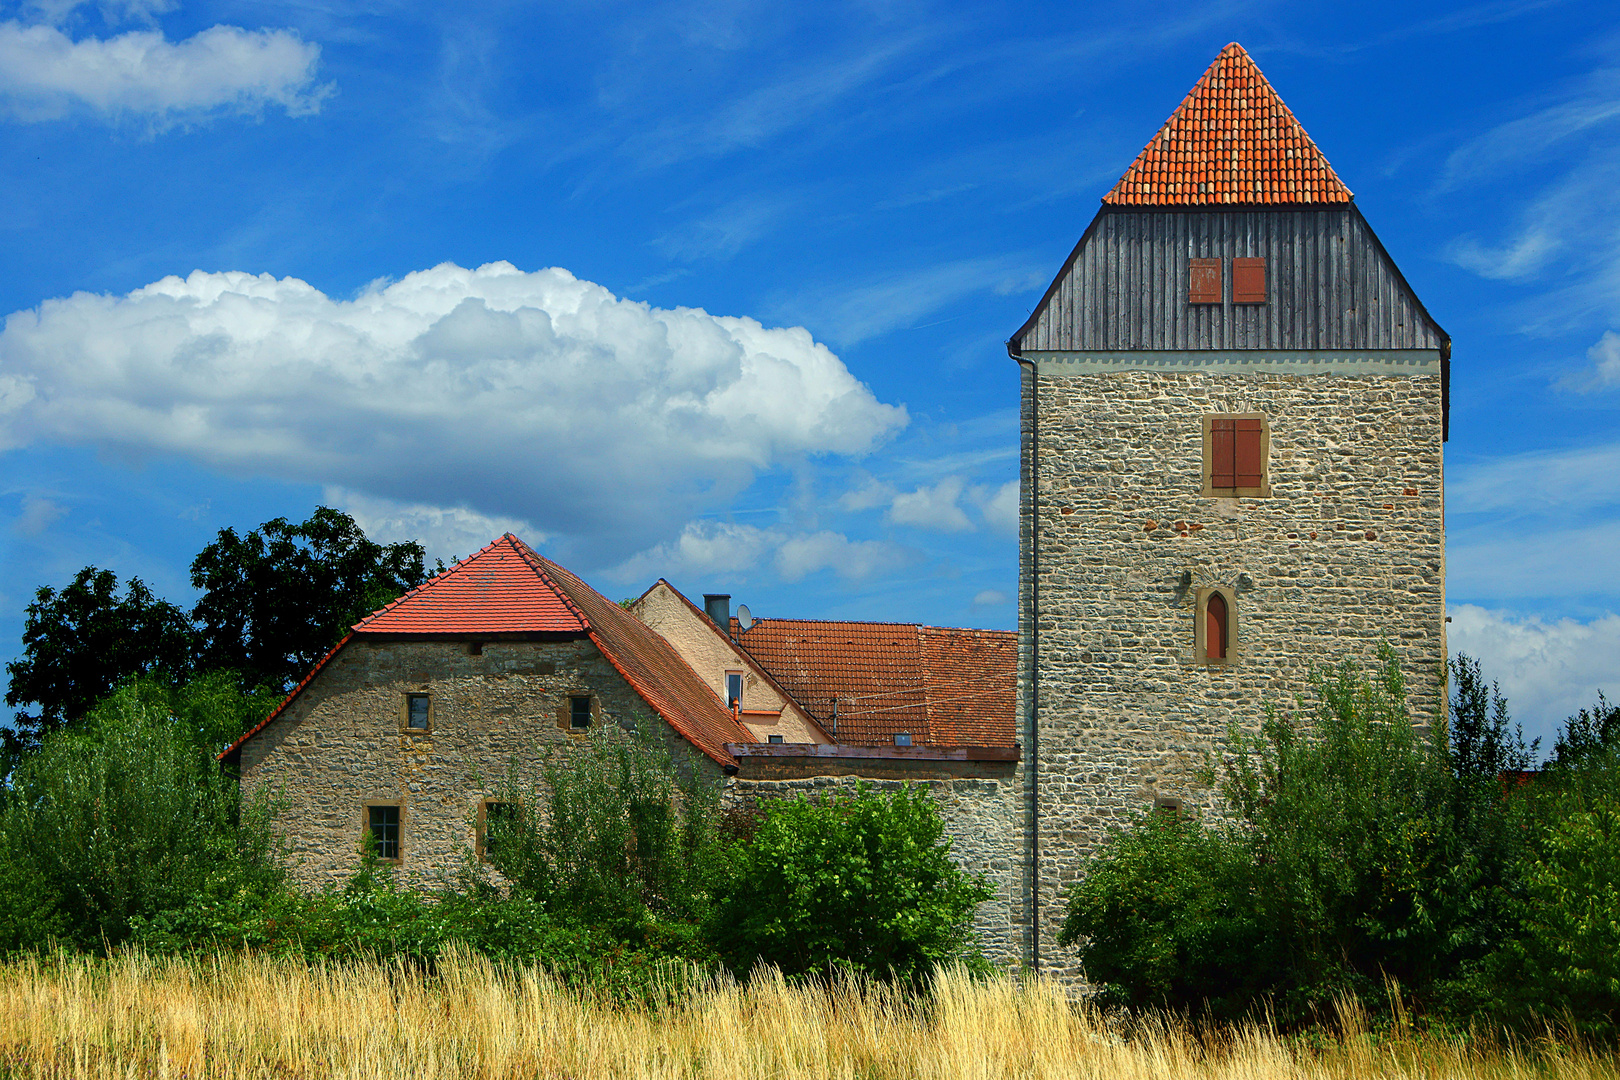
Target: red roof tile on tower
point(1231, 141)
point(497, 590)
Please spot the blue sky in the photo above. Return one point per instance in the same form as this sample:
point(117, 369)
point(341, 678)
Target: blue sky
point(260, 257)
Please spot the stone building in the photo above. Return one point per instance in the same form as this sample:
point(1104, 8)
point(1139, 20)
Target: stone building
point(402, 732)
point(1233, 406)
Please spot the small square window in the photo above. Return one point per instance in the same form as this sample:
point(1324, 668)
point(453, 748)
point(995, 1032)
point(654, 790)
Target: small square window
point(902, 739)
point(417, 716)
point(773, 739)
point(579, 713)
point(734, 685)
point(382, 825)
point(494, 811)
point(1236, 449)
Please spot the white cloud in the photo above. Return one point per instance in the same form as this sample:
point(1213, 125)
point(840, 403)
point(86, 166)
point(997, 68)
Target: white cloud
point(1547, 670)
point(990, 598)
point(999, 506)
point(801, 556)
point(56, 12)
point(38, 514)
point(932, 507)
point(532, 396)
point(1605, 369)
point(899, 300)
point(872, 492)
point(1583, 477)
point(44, 74)
point(445, 532)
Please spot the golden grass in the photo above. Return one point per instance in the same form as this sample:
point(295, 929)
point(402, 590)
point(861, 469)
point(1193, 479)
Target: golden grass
point(257, 1017)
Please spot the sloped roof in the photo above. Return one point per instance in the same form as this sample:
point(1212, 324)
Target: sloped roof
point(508, 588)
point(652, 666)
point(497, 590)
point(1231, 141)
point(942, 686)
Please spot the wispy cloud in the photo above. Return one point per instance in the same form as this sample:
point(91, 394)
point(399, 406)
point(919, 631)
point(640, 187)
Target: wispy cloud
point(710, 549)
point(1605, 370)
point(38, 514)
point(1498, 562)
point(46, 75)
point(1587, 479)
point(902, 298)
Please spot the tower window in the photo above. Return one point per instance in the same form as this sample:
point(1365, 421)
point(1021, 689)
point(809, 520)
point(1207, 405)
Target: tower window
point(1214, 626)
point(1236, 448)
point(1248, 281)
point(1204, 281)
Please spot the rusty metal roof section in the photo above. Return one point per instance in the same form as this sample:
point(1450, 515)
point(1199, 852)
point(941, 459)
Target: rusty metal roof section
point(1230, 142)
point(943, 686)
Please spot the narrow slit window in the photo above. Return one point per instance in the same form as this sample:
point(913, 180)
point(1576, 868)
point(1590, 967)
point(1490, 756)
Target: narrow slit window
point(1204, 281)
point(579, 713)
point(382, 823)
point(734, 684)
point(1248, 281)
point(1217, 627)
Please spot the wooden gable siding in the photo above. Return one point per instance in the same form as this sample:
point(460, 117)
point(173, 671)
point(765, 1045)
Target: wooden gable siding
point(1331, 286)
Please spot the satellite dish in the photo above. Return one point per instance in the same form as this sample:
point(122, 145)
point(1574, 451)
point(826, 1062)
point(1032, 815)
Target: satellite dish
point(745, 618)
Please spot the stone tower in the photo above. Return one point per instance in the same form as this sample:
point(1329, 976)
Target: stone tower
point(1233, 407)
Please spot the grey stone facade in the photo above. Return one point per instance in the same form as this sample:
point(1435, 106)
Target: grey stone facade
point(1345, 552)
point(341, 744)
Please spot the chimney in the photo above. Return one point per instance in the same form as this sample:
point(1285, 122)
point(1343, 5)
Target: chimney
point(717, 606)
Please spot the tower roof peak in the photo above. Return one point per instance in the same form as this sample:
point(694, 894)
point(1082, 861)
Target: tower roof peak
point(1230, 142)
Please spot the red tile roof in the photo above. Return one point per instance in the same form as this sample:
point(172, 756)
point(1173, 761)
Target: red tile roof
point(508, 588)
point(942, 686)
point(497, 590)
point(1231, 141)
point(652, 666)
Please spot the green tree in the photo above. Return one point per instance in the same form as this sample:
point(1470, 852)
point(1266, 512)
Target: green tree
point(274, 601)
point(1588, 735)
point(81, 642)
point(862, 882)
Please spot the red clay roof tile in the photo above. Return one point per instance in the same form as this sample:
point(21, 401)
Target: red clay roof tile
point(942, 686)
point(496, 590)
point(1231, 141)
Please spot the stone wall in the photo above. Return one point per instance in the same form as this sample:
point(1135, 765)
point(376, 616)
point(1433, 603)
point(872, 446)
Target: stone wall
point(1347, 551)
point(342, 743)
point(982, 816)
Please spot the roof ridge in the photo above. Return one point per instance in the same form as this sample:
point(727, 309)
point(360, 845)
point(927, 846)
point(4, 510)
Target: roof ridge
point(529, 555)
point(408, 593)
point(1231, 141)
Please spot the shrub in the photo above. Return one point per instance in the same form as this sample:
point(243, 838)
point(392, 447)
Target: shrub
point(862, 882)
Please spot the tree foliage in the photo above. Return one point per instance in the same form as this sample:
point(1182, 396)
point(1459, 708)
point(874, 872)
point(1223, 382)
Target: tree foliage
point(274, 601)
point(862, 882)
point(81, 642)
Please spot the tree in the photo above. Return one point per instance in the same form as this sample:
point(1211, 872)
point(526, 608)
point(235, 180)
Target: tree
point(80, 643)
point(274, 601)
point(1483, 745)
point(862, 882)
point(1587, 735)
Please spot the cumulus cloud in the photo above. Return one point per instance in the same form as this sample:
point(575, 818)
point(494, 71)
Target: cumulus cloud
point(990, 598)
point(932, 507)
point(801, 556)
point(1547, 670)
point(444, 532)
point(999, 505)
point(38, 514)
point(530, 396)
point(1605, 369)
point(45, 74)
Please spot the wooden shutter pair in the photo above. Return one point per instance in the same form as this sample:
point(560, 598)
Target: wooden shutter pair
point(1235, 459)
point(1248, 281)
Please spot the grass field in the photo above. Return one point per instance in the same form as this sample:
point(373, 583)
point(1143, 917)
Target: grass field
point(254, 1017)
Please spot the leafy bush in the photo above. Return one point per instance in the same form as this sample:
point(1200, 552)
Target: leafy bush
point(119, 822)
point(862, 882)
point(1359, 854)
point(613, 835)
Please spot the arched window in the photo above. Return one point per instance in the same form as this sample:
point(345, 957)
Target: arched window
point(1217, 627)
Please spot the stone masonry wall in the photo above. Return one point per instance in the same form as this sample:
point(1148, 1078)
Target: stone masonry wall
point(982, 816)
point(341, 744)
point(1347, 551)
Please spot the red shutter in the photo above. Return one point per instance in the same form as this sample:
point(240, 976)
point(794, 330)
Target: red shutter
point(1215, 624)
point(1247, 465)
point(1204, 281)
point(1248, 281)
point(1222, 456)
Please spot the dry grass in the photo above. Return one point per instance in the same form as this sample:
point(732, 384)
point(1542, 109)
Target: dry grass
point(255, 1017)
